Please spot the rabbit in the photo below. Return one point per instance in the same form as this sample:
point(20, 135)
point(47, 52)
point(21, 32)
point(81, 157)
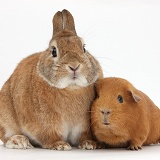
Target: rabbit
point(46, 101)
point(123, 116)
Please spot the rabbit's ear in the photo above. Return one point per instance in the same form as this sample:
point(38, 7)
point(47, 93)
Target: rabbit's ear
point(68, 21)
point(57, 23)
point(63, 20)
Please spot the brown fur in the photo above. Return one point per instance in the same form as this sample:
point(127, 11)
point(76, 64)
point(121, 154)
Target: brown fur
point(32, 105)
point(133, 123)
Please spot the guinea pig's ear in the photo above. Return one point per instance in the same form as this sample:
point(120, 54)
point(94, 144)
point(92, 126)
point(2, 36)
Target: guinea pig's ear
point(135, 96)
point(63, 20)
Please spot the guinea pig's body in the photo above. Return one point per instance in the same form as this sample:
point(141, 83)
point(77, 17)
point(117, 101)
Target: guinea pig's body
point(123, 116)
point(47, 99)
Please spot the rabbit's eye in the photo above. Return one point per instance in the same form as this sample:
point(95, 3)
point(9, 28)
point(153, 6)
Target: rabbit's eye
point(54, 52)
point(84, 49)
point(120, 99)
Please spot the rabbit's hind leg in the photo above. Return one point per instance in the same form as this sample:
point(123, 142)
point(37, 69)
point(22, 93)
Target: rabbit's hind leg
point(13, 140)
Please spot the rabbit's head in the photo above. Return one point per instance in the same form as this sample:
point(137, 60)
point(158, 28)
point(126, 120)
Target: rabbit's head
point(66, 63)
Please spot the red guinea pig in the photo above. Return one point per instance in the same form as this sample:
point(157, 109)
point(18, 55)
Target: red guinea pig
point(123, 116)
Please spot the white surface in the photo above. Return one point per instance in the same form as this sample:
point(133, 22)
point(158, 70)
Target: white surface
point(123, 35)
point(148, 152)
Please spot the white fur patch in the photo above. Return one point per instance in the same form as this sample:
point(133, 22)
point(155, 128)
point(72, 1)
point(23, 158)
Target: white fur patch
point(9, 133)
point(75, 134)
point(67, 81)
point(72, 134)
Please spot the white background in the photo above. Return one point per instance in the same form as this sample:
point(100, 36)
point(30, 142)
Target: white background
point(123, 35)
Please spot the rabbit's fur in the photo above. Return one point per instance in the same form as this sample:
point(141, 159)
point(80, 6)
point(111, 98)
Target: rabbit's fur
point(46, 100)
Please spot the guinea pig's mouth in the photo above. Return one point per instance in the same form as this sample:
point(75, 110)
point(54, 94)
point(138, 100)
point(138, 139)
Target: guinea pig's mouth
point(106, 123)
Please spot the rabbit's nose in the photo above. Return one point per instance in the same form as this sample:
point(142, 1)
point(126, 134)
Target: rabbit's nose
point(74, 68)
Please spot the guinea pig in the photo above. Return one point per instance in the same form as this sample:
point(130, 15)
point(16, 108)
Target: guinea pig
point(123, 116)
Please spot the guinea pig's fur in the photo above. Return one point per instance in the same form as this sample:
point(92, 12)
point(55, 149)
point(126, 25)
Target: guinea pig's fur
point(123, 116)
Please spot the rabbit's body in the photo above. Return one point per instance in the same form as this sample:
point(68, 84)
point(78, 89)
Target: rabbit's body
point(66, 119)
point(48, 97)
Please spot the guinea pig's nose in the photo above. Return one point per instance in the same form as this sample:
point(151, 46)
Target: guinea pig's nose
point(106, 112)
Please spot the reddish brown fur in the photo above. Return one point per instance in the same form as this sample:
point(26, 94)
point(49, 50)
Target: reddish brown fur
point(133, 123)
point(30, 106)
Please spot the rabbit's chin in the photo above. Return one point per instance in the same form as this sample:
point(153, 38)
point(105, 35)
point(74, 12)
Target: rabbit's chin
point(79, 82)
point(71, 83)
point(76, 83)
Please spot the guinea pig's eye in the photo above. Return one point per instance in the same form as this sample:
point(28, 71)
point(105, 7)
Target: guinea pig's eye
point(54, 52)
point(120, 99)
point(84, 49)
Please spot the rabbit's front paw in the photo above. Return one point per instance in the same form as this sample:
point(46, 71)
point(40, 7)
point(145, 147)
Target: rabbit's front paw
point(61, 146)
point(18, 142)
point(88, 144)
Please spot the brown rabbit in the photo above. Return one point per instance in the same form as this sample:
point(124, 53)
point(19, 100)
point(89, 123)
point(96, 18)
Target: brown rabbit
point(47, 99)
point(123, 116)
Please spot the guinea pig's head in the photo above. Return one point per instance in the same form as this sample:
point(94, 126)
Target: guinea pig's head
point(116, 106)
